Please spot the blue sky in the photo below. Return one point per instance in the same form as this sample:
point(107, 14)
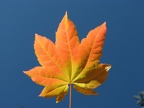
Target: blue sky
point(124, 49)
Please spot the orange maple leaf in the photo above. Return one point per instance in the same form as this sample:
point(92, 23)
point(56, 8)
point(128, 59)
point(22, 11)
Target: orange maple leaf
point(69, 61)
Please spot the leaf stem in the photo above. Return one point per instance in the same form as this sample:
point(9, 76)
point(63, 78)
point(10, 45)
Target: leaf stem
point(70, 96)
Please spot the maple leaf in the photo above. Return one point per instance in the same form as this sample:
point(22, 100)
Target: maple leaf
point(69, 61)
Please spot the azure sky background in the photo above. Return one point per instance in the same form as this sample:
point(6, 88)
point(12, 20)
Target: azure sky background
point(124, 49)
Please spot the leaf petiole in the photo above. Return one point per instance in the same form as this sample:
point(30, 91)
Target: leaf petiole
point(70, 96)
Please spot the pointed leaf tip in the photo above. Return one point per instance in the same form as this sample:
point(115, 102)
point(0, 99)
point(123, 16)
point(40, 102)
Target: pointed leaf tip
point(66, 15)
point(107, 68)
point(104, 23)
point(25, 72)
